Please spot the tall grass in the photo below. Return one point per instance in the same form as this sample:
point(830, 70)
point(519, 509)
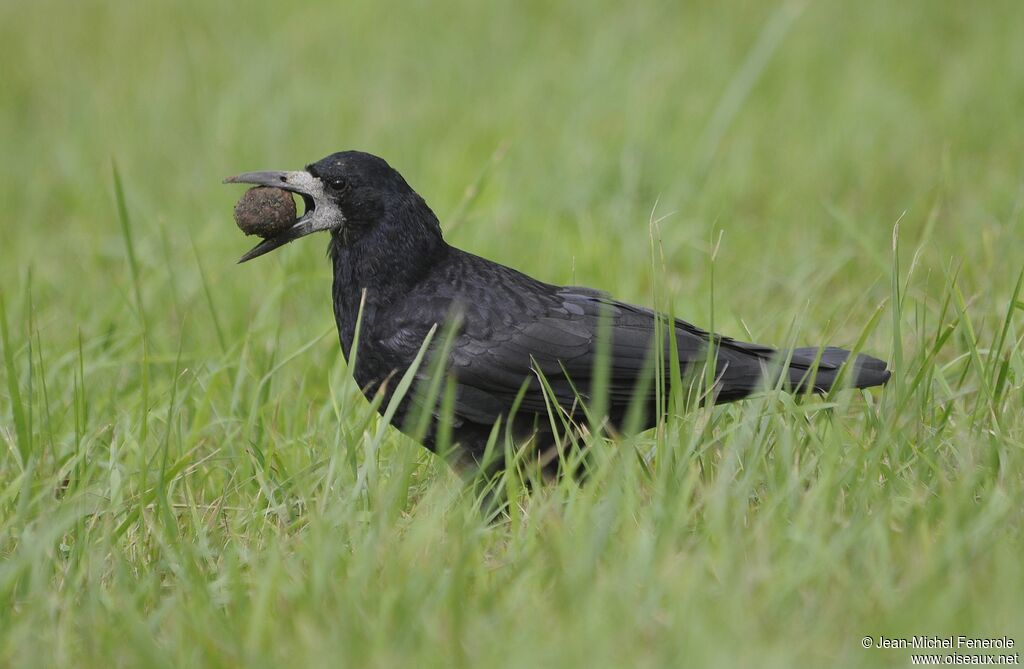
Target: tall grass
point(189, 475)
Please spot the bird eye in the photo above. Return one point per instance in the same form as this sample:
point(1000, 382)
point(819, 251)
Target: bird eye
point(339, 183)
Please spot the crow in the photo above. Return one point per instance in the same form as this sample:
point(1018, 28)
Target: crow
point(518, 348)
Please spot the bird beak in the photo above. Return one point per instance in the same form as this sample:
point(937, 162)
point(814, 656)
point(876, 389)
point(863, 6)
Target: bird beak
point(321, 213)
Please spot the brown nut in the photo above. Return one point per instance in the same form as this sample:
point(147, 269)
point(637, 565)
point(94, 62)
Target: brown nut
point(265, 211)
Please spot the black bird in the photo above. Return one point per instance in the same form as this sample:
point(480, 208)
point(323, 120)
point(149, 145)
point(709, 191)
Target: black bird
point(512, 330)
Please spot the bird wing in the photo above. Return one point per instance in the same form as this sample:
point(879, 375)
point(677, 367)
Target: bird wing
point(558, 339)
point(513, 330)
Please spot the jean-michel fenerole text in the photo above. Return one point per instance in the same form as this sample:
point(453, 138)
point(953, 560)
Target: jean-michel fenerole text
point(926, 641)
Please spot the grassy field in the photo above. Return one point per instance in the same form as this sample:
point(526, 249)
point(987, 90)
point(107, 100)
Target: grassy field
point(188, 475)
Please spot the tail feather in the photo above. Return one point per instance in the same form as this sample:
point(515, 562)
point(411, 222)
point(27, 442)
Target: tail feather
point(742, 368)
point(865, 372)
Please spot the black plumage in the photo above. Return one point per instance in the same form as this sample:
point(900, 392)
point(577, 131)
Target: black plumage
point(389, 255)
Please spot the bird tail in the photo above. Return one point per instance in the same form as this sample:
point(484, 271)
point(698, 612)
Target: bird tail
point(807, 370)
point(746, 368)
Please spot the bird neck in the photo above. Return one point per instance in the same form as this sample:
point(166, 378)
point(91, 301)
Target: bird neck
point(386, 261)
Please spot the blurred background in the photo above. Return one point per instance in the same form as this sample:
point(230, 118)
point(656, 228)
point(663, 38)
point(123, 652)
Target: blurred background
point(798, 132)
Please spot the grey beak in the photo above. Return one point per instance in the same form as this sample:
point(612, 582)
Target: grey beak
point(267, 178)
point(320, 214)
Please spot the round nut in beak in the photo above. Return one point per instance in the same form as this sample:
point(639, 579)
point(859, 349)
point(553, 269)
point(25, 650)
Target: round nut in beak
point(265, 211)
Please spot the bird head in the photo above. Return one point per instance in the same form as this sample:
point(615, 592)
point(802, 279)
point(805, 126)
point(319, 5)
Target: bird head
point(346, 193)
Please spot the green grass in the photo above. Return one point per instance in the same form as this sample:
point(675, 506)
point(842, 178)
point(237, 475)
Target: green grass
point(188, 475)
